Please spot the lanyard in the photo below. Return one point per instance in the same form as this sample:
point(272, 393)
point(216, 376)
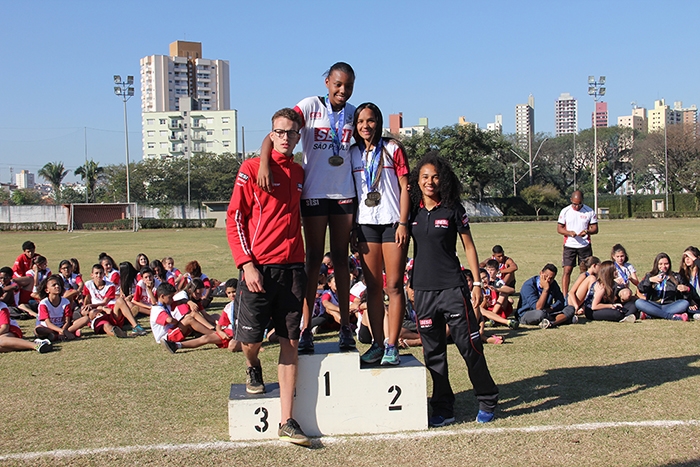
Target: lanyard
point(621, 272)
point(371, 165)
point(336, 126)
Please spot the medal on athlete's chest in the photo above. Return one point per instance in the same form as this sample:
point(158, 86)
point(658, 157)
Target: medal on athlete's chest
point(336, 161)
point(373, 199)
point(336, 130)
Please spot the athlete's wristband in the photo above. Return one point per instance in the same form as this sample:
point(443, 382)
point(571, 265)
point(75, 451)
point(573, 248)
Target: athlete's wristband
point(476, 284)
point(405, 224)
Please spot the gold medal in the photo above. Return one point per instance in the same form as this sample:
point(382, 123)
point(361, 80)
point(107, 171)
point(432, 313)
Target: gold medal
point(373, 198)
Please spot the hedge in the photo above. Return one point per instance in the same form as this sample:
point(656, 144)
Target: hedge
point(176, 223)
point(666, 214)
point(5, 226)
point(119, 224)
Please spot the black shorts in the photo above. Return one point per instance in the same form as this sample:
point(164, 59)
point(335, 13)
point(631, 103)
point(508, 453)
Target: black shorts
point(327, 207)
point(570, 255)
point(368, 233)
point(281, 302)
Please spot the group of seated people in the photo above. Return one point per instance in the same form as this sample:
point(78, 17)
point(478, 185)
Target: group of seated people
point(175, 302)
point(64, 304)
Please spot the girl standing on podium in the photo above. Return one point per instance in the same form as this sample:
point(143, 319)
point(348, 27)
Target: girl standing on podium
point(380, 170)
point(441, 293)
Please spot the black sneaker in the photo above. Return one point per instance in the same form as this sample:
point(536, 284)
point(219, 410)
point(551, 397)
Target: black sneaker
point(306, 341)
point(346, 339)
point(169, 346)
point(292, 432)
point(254, 382)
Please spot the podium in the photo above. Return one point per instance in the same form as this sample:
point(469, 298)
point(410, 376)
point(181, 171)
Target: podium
point(336, 395)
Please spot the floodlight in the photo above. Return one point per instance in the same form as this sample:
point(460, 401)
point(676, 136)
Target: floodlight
point(602, 91)
point(602, 80)
point(117, 79)
point(130, 79)
point(130, 92)
point(591, 90)
point(117, 90)
point(591, 80)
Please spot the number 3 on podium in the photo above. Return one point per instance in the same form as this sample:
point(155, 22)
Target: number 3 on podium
point(263, 420)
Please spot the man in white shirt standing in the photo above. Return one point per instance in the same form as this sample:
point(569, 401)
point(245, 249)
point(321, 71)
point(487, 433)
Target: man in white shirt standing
point(577, 222)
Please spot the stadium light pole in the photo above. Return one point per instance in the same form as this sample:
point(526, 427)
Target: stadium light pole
point(666, 160)
point(596, 89)
point(125, 90)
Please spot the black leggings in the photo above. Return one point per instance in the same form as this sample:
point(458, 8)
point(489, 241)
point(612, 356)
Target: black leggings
point(612, 314)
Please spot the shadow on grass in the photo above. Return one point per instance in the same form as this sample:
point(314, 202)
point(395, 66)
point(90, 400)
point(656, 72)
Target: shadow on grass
point(563, 386)
point(693, 463)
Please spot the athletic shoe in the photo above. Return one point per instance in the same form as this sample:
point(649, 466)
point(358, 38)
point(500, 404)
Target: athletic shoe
point(628, 319)
point(306, 341)
point(643, 315)
point(346, 339)
point(680, 317)
point(373, 355)
point(169, 346)
point(43, 345)
point(138, 331)
point(513, 323)
point(254, 381)
point(574, 319)
point(696, 316)
point(438, 420)
point(292, 432)
point(391, 356)
point(119, 332)
point(545, 323)
point(489, 323)
point(484, 416)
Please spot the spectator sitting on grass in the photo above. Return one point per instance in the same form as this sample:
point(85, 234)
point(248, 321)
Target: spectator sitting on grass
point(541, 301)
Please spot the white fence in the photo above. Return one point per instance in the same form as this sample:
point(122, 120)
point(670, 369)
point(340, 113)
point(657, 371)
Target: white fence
point(60, 214)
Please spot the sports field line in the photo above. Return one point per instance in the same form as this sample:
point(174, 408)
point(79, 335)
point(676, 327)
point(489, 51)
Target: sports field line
point(327, 440)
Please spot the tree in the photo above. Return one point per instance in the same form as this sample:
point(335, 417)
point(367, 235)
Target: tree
point(541, 196)
point(25, 196)
point(54, 173)
point(478, 157)
point(90, 173)
point(615, 153)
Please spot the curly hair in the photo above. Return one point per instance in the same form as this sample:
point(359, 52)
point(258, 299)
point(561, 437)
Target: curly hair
point(449, 188)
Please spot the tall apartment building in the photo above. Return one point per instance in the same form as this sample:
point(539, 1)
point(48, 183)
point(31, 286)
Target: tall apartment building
point(189, 131)
point(496, 125)
point(662, 115)
point(525, 123)
point(184, 73)
point(637, 121)
point(599, 117)
point(395, 123)
point(185, 104)
point(24, 179)
point(688, 117)
point(565, 115)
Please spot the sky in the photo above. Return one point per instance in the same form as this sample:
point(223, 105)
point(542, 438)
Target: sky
point(439, 59)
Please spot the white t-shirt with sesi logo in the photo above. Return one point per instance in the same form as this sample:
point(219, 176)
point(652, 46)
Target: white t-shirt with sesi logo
point(577, 221)
point(321, 179)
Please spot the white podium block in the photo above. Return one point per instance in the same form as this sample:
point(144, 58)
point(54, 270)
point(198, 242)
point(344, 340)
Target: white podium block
point(336, 395)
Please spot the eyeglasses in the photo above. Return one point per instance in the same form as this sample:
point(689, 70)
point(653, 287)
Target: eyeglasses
point(577, 205)
point(289, 133)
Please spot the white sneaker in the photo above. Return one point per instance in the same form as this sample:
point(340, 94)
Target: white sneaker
point(696, 316)
point(545, 323)
point(628, 319)
point(574, 319)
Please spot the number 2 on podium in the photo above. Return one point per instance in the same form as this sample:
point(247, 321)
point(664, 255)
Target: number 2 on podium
point(392, 405)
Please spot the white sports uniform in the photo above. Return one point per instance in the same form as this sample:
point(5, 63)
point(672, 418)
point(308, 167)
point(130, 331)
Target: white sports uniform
point(577, 221)
point(395, 165)
point(322, 180)
point(159, 329)
point(56, 314)
point(106, 294)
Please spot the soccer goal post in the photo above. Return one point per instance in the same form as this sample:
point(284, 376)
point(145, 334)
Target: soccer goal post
point(103, 216)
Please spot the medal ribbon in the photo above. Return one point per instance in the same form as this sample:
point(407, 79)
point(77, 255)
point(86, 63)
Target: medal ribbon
point(621, 272)
point(336, 127)
point(371, 165)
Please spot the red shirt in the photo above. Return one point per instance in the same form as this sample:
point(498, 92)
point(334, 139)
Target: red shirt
point(22, 265)
point(262, 227)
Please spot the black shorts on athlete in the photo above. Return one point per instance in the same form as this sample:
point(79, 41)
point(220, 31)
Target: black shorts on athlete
point(369, 233)
point(572, 254)
point(282, 302)
point(327, 207)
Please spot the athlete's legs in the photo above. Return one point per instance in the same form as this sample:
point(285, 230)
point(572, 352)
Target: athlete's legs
point(287, 375)
point(340, 228)
point(372, 266)
point(395, 264)
point(315, 240)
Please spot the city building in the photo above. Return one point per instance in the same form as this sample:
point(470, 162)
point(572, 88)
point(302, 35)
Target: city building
point(395, 122)
point(525, 123)
point(185, 104)
point(189, 131)
point(497, 125)
point(183, 73)
point(662, 115)
point(637, 121)
point(599, 118)
point(688, 116)
point(464, 122)
point(24, 179)
point(565, 115)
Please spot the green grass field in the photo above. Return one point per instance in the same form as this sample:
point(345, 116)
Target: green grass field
point(563, 391)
